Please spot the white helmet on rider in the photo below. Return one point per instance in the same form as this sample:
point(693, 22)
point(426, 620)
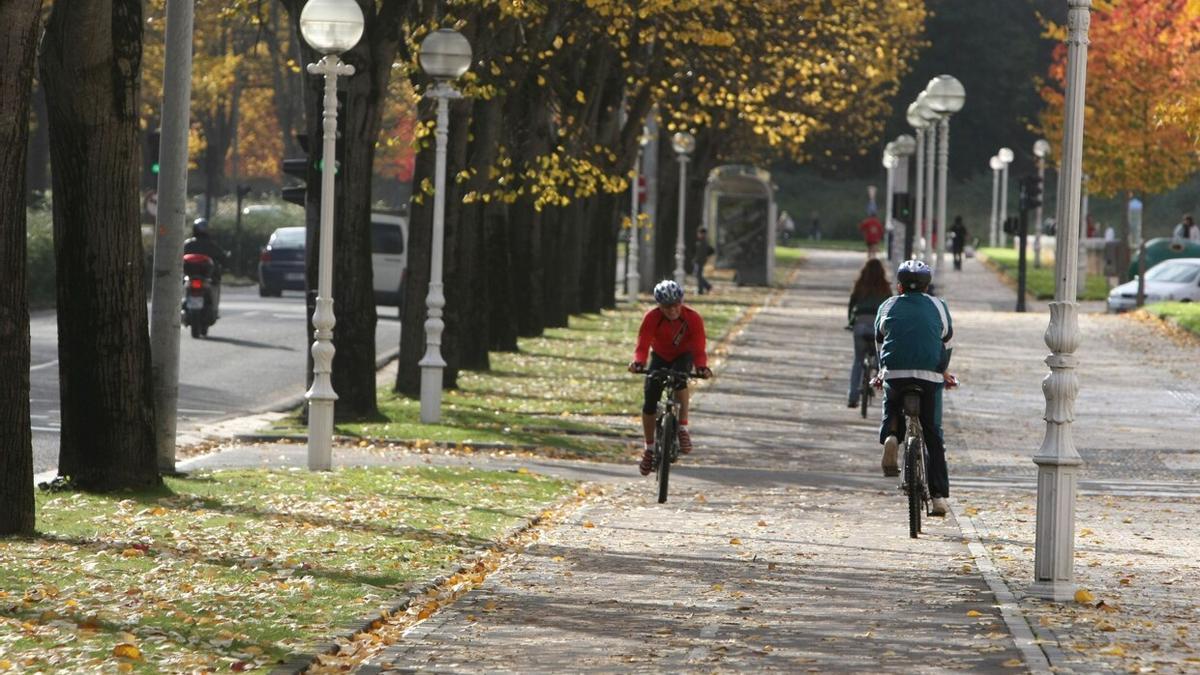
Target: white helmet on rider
point(667, 292)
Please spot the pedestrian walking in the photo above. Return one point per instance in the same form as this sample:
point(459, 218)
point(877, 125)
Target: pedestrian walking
point(872, 233)
point(701, 253)
point(958, 241)
point(785, 227)
point(814, 231)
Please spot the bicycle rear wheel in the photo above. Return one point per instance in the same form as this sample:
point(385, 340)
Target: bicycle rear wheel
point(866, 397)
point(664, 445)
point(912, 484)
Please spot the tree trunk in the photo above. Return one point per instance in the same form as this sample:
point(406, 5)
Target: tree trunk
point(554, 260)
point(286, 85)
point(460, 318)
point(91, 66)
point(19, 23)
point(525, 251)
point(416, 284)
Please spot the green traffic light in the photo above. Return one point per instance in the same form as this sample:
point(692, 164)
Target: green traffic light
point(154, 168)
point(321, 166)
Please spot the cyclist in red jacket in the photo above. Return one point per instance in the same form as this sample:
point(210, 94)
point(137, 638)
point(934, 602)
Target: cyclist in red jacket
point(671, 336)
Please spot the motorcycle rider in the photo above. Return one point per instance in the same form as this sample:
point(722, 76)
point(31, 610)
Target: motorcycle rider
point(201, 242)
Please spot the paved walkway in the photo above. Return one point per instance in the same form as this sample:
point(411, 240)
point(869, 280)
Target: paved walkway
point(782, 548)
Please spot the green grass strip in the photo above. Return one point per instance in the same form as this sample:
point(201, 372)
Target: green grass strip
point(237, 569)
point(566, 393)
point(1039, 281)
point(1186, 314)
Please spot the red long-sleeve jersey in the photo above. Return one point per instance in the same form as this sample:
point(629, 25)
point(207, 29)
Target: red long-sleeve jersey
point(672, 339)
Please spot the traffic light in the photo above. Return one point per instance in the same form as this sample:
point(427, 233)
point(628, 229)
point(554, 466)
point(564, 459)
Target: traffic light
point(1011, 226)
point(1031, 193)
point(150, 159)
point(298, 168)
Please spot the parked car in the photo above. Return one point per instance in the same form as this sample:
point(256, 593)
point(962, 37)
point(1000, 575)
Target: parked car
point(281, 262)
point(1177, 280)
point(389, 257)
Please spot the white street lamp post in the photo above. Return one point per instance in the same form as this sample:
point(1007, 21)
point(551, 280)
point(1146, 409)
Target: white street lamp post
point(330, 27)
point(889, 165)
point(902, 148)
point(995, 165)
point(918, 122)
point(633, 278)
point(946, 96)
point(683, 143)
point(932, 119)
point(1041, 148)
point(445, 55)
point(1006, 158)
point(1058, 461)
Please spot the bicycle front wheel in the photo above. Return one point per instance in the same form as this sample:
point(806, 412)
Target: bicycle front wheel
point(912, 484)
point(866, 397)
point(667, 439)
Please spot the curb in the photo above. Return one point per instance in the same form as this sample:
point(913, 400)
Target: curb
point(1039, 649)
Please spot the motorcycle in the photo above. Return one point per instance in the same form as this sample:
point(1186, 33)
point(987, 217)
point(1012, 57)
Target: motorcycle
point(201, 294)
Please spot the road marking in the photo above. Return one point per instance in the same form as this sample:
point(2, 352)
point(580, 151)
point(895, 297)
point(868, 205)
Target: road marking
point(199, 411)
point(52, 430)
point(43, 365)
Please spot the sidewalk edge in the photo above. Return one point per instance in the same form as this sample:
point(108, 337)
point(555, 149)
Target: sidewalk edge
point(1031, 647)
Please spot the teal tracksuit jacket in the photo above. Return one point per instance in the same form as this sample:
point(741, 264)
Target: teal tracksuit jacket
point(916, 335)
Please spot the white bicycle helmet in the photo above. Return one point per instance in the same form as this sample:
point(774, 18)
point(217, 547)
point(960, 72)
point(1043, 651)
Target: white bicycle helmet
point(667, 292)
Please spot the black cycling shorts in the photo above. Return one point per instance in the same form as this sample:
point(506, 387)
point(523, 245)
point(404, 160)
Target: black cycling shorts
point(654, 388)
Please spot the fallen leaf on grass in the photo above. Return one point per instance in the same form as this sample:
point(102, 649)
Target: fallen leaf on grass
point(762, 523)
point(1013, 663)
point(735, 542)
point(1115, 650)
point(974, 613)
point(588, 523)
point(127, 651)
point(1084, 595)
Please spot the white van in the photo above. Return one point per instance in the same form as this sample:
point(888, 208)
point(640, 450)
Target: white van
point(389, 256)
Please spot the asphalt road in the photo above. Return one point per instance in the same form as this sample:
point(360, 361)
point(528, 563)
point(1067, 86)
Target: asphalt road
point(253, 360)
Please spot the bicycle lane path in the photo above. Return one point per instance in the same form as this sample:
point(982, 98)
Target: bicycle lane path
point(782, 548)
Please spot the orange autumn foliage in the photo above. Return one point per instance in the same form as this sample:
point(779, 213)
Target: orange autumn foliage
point(1137, 53)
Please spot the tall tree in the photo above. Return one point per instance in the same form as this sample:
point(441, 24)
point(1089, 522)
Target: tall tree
point(19, 23)
point(1138, 51)
point(91, 66)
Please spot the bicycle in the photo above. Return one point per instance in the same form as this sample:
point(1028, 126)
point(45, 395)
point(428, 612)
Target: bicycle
point(666, 425)
point(870, 368)
point(915, 484)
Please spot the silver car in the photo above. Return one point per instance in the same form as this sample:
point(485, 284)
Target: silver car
point(1176, 280)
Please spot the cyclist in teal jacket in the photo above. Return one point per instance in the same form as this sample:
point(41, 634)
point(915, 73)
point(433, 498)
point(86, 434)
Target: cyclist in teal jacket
point(916, 335)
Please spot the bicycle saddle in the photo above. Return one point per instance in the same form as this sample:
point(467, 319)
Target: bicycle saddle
point(911, 396)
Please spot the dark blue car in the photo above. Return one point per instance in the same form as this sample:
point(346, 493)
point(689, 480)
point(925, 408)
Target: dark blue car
point(281, 263)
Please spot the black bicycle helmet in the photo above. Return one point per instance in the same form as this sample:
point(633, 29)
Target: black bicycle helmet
point(914, 275)
point(667, 292)
point(200, 226)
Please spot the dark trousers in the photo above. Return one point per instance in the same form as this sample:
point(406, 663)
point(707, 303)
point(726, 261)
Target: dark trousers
point(931, 426)
point(958, 256)
point(702, 285)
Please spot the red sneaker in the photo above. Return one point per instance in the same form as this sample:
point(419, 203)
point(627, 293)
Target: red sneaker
point(685, 440)
point(647, 463)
